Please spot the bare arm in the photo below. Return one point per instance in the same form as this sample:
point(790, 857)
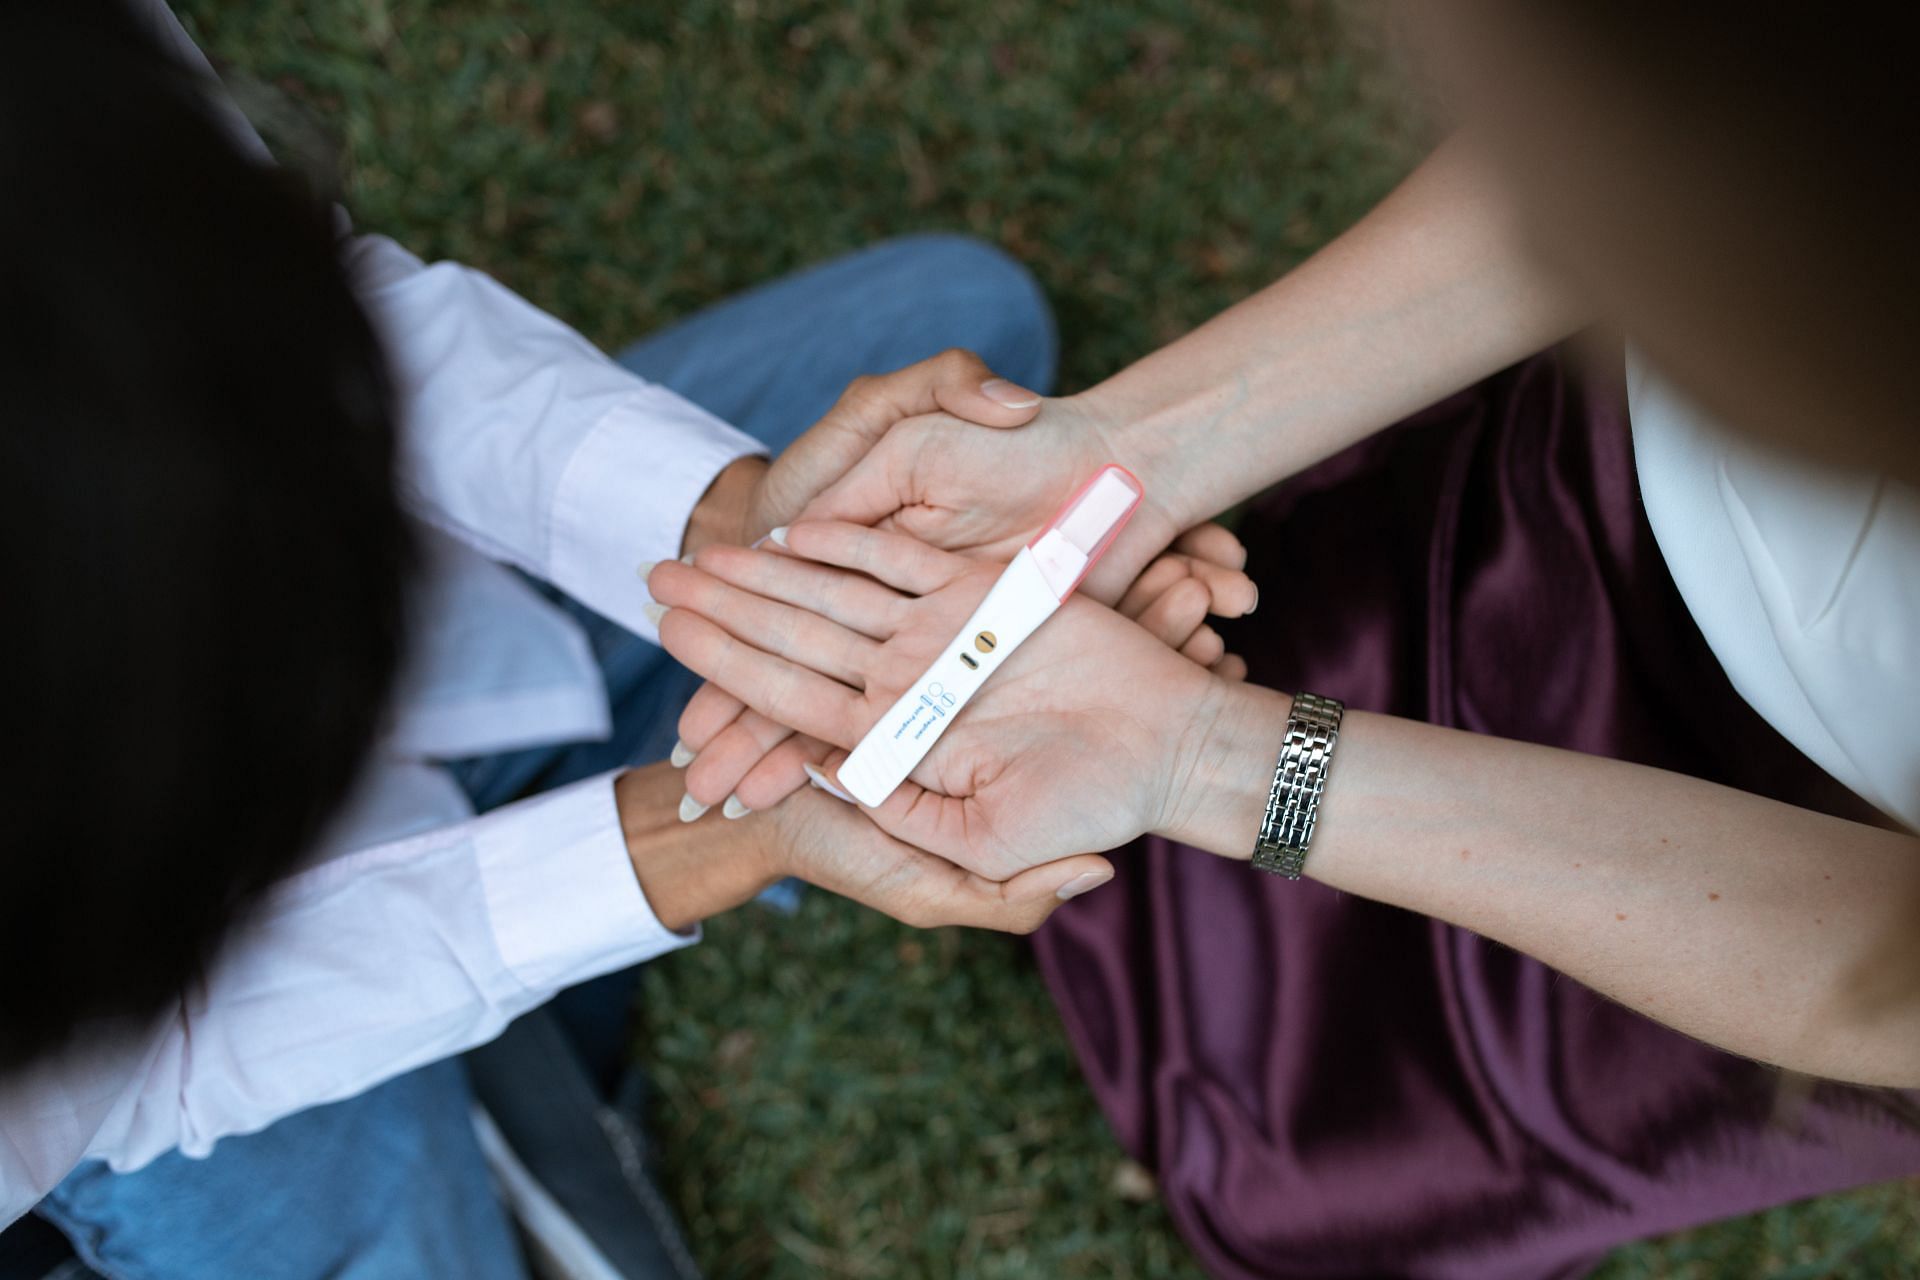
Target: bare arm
point(1767, 930)
point(1430, 292)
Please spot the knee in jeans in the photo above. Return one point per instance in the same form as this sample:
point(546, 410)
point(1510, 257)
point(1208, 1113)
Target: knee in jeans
point(998, 308)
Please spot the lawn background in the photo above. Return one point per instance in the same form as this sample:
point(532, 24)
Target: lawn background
point(839, 1096)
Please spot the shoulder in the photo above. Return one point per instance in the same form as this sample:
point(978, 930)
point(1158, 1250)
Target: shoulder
point(1805, 581)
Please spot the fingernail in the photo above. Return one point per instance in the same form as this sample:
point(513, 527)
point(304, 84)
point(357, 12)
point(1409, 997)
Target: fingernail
point(821, 781)
point(778, 537)
point(682, 755)
point(654, 611)
point(1000, 391)
point(645, 569)
point(691, 809)
point(686, 560)
point(734, 809)
point(1081, 884)
point(1254, 605)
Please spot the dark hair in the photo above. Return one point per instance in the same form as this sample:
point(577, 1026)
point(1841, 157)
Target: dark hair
point(204, 554)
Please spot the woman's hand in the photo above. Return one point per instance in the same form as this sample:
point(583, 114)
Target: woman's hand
point(752, 496)
point(749, 762)
point(1080, 741)
point(981, 493)
point(831, 845)
point(690, 873)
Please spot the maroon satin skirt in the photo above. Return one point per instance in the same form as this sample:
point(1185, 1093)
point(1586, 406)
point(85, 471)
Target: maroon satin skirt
point(1328, 1087)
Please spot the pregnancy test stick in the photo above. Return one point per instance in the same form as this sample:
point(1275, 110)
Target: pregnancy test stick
point(1044, 573)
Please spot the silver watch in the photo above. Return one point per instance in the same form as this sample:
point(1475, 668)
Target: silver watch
point(1299, 778)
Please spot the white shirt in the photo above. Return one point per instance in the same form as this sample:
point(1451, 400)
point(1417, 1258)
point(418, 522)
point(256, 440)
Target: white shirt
point(1805, 581)
point(419, 930)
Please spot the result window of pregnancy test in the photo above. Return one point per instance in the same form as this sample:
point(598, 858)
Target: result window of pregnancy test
point(1042, 575)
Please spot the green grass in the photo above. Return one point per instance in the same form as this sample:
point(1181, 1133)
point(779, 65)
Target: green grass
point(838, 1095)
point(858, 1099)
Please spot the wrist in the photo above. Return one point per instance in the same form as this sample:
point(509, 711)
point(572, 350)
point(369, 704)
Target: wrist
point(727, 511)
point(689, 870)
point(1148, 439)
point(1223, 768)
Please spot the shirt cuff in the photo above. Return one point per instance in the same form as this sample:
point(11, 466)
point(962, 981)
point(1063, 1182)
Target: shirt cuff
point(627, 494)
point(561, 895)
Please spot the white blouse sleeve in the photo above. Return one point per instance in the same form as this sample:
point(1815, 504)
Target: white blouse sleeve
point(357, 970)
point(524, 440)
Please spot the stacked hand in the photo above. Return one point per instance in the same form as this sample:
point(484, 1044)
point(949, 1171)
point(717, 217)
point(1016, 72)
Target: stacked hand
point(892, 453)
point(957, 486)
point(801, 656)
point(1093, 705)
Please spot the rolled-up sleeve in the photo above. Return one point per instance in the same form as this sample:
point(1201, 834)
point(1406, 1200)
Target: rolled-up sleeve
point(524, 440)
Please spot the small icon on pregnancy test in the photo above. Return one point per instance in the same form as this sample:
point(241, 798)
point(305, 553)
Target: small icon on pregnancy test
point(1040, 578)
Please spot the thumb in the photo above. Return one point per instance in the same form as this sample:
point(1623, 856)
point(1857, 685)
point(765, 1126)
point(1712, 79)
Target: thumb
point(1029, 898)
point(955, 381)
point(965, 387)
point(833, 846)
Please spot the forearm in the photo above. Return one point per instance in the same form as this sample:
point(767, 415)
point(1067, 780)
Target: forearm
point(1430, 292)
point(689, 871)
point(726, 511)
point(1764, 929)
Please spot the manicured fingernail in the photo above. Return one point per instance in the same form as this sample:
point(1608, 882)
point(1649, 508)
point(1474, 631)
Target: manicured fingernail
point(687, 559)
point(734, 809)
point(1081, 884)
point(1000, 391)
point(645, 569)
point(691, 809)
point(654, 611)
point(778, 537)
point(821, 781)
point(1254, 605)
point(682, 755)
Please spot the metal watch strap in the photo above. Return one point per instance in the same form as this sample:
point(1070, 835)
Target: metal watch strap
point(1299, 778)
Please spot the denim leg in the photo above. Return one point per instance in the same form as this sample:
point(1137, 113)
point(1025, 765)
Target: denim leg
point(386, 1186)
point(775, 358)
point(390, 1185)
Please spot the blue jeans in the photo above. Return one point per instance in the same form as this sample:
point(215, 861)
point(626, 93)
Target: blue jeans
point(390, 1185)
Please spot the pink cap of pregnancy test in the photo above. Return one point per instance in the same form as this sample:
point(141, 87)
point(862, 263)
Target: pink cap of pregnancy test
point(1082, 530)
